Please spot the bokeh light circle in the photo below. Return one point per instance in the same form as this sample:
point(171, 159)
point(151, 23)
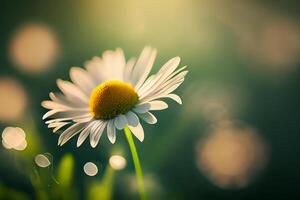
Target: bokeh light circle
point(22, 146)
point(42, 160)
point(13, 100)
point(33, 47)
point(90, 169)
point(14, 138)
point(117, 162)
point(231, 156)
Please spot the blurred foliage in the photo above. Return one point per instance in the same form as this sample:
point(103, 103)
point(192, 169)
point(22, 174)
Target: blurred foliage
point(102, 189)
point(65, 170)
point(11, 194)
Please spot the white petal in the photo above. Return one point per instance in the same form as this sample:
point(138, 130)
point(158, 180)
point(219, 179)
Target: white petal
point(85, 133)
point(175, 97)
point(73, 114)
point(57, 120)
point(59, 127)
point(120, 122)
point(95, 126)
point(97, 69)
point(170, 89)
point(92, 69)
point(111, 131)
point(148, 117)
point(146, 84)
point(128, 69)
point(142, 108)
point(54, 105)
point(83, 120)
point(55, 124)
point(82, 79)
point(162, 93)
point(161, 76)
point(165, 87)
point(62, 99)
point(158, 105)
point(72, 91)
point(170, 66)
point(132, 118)
point(144, 66)
point(172, 81)
point(69, 133)
point(177, 71)
point(50, 113)
point(95, 137)
point(114, 63)
point(64, 119)
point(137, 131)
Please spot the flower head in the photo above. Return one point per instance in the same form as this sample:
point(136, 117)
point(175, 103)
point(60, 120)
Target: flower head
point(112, 94)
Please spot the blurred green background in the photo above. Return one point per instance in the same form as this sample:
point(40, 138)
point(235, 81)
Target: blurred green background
point(236, 136)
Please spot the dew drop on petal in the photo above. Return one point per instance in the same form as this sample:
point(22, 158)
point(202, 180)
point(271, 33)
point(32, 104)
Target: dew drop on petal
point(42, 161)
point(117, 162)
point(90, 169)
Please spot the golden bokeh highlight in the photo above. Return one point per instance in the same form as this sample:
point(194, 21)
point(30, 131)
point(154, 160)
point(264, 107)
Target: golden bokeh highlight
point(33, 48)
point(14, 138)
point(276, 44)
point(231, 155)
point(13, 100)
point(269, 39)
point(21, 146)
point(117, 162)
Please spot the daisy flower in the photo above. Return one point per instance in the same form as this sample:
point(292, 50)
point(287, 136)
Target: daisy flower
point(111, 94)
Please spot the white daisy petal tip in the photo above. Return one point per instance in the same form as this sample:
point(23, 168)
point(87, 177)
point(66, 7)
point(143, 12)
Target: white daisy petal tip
point(48, 114)
point(113, 141)
point(84, 134)
point(78, 144)
point(74, 68)
point(43, 104)
point(93, 145)
point(175, 60)
point(175, 97)
point(111, 131)
point(96, 135)
point(148, 117)
point(158, 105)
point(61, 141)
point(59, 81)
point(138, 132)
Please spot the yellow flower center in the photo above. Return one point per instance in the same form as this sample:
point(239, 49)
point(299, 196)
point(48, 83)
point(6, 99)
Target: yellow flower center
point(112, 98)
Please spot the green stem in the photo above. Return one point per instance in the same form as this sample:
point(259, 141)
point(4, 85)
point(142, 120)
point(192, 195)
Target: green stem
point(136, 162)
